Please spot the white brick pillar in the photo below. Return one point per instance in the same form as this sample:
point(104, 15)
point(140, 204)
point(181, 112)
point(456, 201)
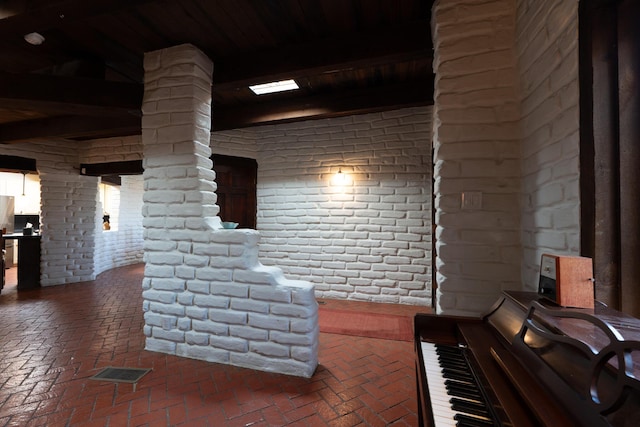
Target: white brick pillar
point(206, 295)
point(477, 154)
point(176, 125)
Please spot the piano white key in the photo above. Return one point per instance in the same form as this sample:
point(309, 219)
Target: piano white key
point(443, 414)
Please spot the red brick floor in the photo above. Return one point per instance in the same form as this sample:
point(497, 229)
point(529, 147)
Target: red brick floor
point(53, 339)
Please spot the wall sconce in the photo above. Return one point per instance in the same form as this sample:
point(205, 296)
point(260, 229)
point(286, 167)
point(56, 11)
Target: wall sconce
point(340, 178)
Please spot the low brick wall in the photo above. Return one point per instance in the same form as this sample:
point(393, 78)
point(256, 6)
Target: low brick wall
point(206, 295)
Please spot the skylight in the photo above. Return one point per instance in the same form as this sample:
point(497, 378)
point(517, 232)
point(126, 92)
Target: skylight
point(272, 87)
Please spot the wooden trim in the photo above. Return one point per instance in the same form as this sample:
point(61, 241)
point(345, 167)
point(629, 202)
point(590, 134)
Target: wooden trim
point(600, 183)
point(131, 167)
point(17, 164)
point(587, 163)
point(629, 153)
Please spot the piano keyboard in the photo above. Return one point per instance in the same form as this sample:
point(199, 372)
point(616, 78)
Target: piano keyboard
point(456, 399)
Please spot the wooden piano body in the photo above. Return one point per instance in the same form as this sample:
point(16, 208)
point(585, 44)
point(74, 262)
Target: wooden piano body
point(542, 365)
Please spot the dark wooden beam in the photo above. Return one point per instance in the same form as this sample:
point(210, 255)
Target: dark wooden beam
point(352, 51)
point(73, 127)
point(17, 164)
point(324, 106)
point(300, 108)
point(68, 95)
point(131, 167)
point(24, 16)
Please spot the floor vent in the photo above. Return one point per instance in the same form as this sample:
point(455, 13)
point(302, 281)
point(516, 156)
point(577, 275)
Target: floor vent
point(121, 375)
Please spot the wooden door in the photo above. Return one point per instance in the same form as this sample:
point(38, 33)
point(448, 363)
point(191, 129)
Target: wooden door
point(236, 178)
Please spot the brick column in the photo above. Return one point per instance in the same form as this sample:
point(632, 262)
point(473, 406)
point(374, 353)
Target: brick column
point(477, 152)
point(176, 127)
point(206, 295)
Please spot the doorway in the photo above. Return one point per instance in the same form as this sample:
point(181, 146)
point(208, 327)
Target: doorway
point(237, 179)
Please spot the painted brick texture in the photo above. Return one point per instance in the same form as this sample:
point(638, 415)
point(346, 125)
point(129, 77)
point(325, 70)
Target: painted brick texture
point(368, 240)
point(547, 44)
point(206, 295)
point(476, 149)
point(123, 244)
point(506, 110)
point(67, 212)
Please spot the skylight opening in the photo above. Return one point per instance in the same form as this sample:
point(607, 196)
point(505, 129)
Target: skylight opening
point(273, 87)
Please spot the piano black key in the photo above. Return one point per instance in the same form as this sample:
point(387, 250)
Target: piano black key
point(456, 375)
point(450, 352)
point(458, 364)
point(467, 421)
point(457, 391)
point(469, 407)
point(465, 384)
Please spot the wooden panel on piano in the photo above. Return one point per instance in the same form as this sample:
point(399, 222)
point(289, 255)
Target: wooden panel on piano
point(514, 390)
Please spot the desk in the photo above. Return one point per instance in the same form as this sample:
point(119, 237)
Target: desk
point(28, 259)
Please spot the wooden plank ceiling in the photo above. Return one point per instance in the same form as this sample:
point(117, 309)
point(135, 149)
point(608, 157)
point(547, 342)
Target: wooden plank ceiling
point(85, 80)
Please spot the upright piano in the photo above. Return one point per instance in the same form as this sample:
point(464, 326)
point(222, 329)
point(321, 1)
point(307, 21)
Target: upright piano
point(529, 362)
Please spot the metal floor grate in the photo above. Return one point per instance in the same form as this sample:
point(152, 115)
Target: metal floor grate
point(121, 375)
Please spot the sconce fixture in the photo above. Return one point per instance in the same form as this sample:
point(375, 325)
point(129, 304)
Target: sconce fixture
point(24, 176)
point(340, 178)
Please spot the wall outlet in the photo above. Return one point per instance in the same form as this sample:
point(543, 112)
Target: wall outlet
point(471, 200)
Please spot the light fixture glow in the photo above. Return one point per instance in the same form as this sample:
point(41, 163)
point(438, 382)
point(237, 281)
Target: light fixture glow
point(340, 179)
point(272, 87)
point(35, 39)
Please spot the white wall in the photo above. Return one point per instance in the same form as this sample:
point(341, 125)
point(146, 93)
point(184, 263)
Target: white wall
point(122, 245)
point(506, 126)
point(547, 46)
point(67, 212)
point(476, 150)
point(11, 184)
point(370, 240)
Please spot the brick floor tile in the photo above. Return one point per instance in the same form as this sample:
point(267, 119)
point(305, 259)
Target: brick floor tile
point(348, 420)
point(56, 338)
point(348, 407)
point(300, 413)
point(273, 417)
point(370, 417)
point(325, 410)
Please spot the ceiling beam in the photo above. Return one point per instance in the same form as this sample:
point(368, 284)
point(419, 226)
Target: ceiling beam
point(130, 167)
point(350, 52)
point(72, 127)
point(359, 101)
point(20, 17)
point(68, 95)
point(301, 108)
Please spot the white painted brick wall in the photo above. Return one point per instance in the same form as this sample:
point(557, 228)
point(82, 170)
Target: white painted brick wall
point(547, 46)
point(68, 228)
point(112, 150)
point(477, 149)
point(371, 242)
point(122, 245)
point(67, 213)
point(206, 295)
